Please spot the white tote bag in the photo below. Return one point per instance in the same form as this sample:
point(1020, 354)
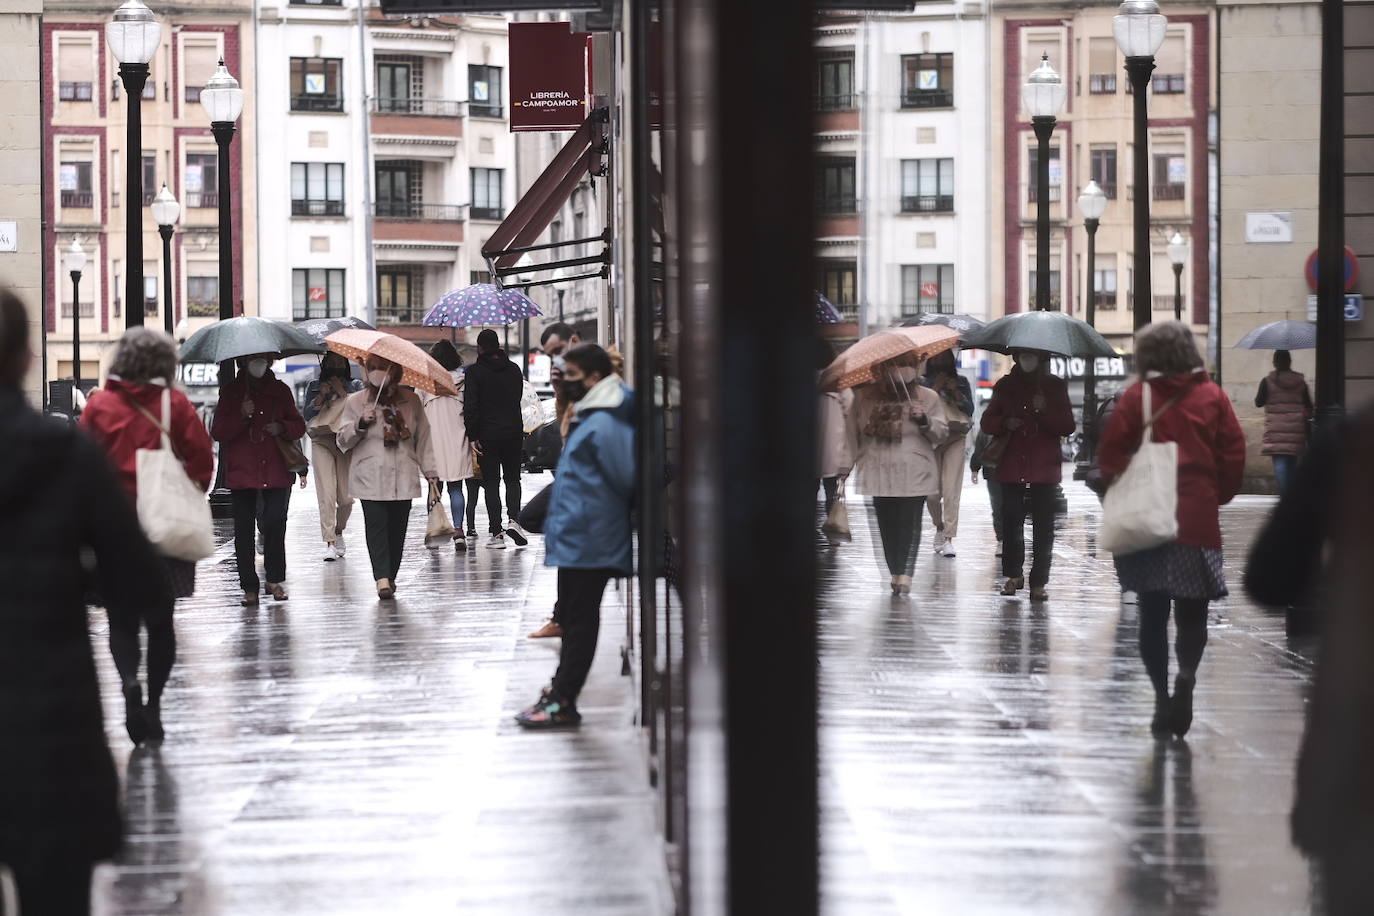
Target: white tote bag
point(173, 511)
point(1140, 509)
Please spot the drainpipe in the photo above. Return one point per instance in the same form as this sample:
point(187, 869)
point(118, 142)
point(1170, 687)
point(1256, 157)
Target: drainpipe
point(369, 255)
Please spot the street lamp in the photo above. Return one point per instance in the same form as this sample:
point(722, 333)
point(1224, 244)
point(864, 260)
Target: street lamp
point(74, 259)
point(166, 212)
point(1139, 30)
point(1092, 203)
point(222, 100)
point(133, 35)
point(1178, 255)
point(1043, 96)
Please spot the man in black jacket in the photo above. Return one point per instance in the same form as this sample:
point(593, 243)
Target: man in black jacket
point(492, 388)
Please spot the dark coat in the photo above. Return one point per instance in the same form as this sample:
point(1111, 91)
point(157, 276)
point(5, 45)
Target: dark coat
point(1033, 454)
point(492, 388)
point(252, 460)
point(60, 499)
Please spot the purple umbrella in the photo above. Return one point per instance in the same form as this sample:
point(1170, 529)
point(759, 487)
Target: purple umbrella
point(826, 313)
point(481, 304)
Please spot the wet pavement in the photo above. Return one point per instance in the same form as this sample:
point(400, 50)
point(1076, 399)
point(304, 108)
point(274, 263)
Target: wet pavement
point(986, 755)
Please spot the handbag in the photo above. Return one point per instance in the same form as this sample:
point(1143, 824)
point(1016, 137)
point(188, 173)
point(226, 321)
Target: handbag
point(1140, 510)
point(325, 423)
point(996, 450)
point(440, 529)
point(837, 521)
point(173, 511)
point(291, 453)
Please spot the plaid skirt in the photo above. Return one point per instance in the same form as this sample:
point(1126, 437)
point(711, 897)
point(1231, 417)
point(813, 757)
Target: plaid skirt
point(1176, 570)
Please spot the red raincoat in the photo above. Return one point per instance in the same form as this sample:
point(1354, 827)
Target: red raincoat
point(251, 458)
point(121, 430)
point(1033, 455)
point(1211, 448)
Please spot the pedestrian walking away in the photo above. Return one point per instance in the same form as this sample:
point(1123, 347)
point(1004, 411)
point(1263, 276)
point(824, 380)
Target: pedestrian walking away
point(956, 400)
point(255, 416)
point(324, 402)
point(124, 418)
point(894, 428)
point(1287, 404)
point(832, 412)
point(1031, 413)
point(385, 431)
point(979, 463)
point(1189, 409)
point(587, 530)
point(452, 450)
point(493, 387)
point(68, 524)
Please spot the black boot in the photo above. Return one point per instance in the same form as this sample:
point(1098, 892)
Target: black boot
point(135, 722)
point(1160, 724)
point(152, 714)
point(1182, 717)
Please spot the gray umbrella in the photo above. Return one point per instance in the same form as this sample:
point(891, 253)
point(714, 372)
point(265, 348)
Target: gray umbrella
point(964, 324)
point(1280, 335)
point(245, 336)
point(1049, 332)
point(320, 328)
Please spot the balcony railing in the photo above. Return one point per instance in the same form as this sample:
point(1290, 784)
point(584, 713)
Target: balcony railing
point(928, 98)
point(843, 102)
point(1055, 193)
point(74, 92)
point(491, 213)
point(317, 2)
point(76, 199)
point(1108, 190)
point(1168, 83)
point(928, 203)
point(317, 208)
point(433, 108)
point(1165, 303)
point(316, 103)
point(1102, 83)
point(1106, 300)
point(486, 110)
point(836, 206)
point(424, 213)
point(203, 308)
point(202, 199)
point(400, 314)
point(148, 195)
point(1168, 191)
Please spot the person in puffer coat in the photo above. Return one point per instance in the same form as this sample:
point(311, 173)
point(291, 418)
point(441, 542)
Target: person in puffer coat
point(587, 531)
point(1287, 409)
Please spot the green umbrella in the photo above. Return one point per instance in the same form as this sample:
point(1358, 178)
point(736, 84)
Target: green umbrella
point(1050, 332)
point(245, 336)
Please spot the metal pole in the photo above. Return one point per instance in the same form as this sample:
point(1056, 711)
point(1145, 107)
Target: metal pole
point(1331, 221)
point(560, 305)
point(134, 77)
point(1178, 292)
point(167, 316)
point(76, 334)
point(1044, 126)
point(1090, 373)
point(1138, 69)
point(525, 347)
point(224, 135)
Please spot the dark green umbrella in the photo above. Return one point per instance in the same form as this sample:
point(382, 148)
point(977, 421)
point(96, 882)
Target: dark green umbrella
point(245, 336)
point(1049, 332)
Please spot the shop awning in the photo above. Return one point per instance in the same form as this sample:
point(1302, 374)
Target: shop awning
point(583, 155)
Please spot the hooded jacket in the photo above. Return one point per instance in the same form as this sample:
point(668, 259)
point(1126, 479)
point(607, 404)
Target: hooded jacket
point(1032, 454)
point(492, 387)
point(1287, 408)
point(59, 499)
point(123, 431)
point(1211, 447)
point(251, 458)
point(588, 525)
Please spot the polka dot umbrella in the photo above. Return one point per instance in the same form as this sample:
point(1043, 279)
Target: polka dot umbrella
point(859, 364)
point(418, 368)
point(826, 313)
point(482, 304)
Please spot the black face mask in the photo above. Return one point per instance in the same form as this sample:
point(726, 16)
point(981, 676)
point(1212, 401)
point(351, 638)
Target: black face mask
point(575, 390)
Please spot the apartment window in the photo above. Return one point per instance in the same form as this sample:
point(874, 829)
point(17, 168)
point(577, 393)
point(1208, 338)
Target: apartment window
point(398, 300)
point(398, 189)
point(1170, 67)
point(200, 58)
point(75, 69)
point(394, 86)
point(149, 89)
point(580, 232)
point(202, 297)
point(317, 293)
point(486, 194)
point(150, 293)
point(317, 189)
point(1032, 179)
point(479, 276)
point(928, 288)
point(317, 2)
point(835, 187)
point(484, 92)
point(1103, 162)
point(74, 91)
point(74, 182)
point(1170, 176)
point(838, 281)
point(316, 84)
point(927, 80)
point(1104, 284)
point(150, 185)
point(927, 185)
point(202, 180)
point(835, 82)
point(1054, 290)
point(1102, 68)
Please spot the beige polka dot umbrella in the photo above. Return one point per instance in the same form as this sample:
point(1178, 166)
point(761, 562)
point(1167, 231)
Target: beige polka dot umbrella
point(855, 366)
point(418, 368)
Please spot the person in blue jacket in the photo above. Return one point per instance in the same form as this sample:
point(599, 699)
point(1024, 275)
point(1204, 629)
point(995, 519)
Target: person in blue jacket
point(587, 530)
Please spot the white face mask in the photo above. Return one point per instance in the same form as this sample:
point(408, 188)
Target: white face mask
point(257, 367)
point(378, 378)
point(1029, 362)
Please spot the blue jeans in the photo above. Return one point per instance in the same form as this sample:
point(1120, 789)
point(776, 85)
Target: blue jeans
point(456, 502)
point(1283, 470)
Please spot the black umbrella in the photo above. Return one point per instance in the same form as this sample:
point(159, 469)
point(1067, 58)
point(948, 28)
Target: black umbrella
point(1280, 335)
point(1049, 332)
point(964, 324)
point(247, 336)
point(320, 328)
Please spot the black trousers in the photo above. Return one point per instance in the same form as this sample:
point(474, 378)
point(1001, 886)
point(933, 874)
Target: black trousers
point(578, 611)
point(474, 485)
point(1191, 622)
point(501, 458)
point(272, 522)
point(832, 487)
point(1015, 496)
point(51, 886)
point(384, 522)
point(899, 526)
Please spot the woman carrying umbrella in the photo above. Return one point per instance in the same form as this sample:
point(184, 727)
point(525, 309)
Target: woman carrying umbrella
point(1287, 407)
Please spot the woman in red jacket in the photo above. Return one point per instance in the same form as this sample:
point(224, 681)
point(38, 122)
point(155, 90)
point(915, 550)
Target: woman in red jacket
point(1031, 409)
point(126, 417)
point(1194, 412)
point(255, 411)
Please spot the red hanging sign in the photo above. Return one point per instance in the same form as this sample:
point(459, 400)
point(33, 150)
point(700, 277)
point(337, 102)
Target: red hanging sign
point(550, 76)
point(317, 294)
point(930, 290)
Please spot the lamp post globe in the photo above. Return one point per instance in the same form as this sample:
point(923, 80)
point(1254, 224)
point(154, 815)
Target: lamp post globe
point(1178, 256)
point(1044, 92)
point(1092, 201)
point(166, 212)
point(222, 97)
point(74, 260)
point(166, 209)
point(74, 257)
point(1043, 96)
point(1139, 28)
point(133, 33)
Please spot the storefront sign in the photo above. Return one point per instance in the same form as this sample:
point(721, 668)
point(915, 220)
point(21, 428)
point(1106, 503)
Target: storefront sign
point(550, 76)
point(1274, 228)
point(1076, 367)
point(199, 375)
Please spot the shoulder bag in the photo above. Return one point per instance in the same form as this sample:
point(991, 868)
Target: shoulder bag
point(174, 513)
point(1140, 509)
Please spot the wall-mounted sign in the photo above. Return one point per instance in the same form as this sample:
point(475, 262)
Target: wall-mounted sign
point(550, 76)
point(1353, 307)
point(9, 235)
point(317, 294)
point(199, 375)
point(1274, 228)
point(314, 83)
point(1076, 367)
point(1351, 266)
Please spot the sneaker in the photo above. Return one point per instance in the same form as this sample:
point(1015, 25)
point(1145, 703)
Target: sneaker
point(549, 713)
point(1011, 585)
point(939, 544)
point(516, 533)
point(549, 630)
point(338, 550)
point(999, 548)
point(947, 549)
point(460, 543)
point(1038, 593)
point(331, 553)
point(1129, 598)
point(496, 542)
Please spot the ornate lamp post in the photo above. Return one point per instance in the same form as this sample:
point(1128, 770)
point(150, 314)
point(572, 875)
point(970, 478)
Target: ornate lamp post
point(1178, 256)
point(1092, 203)
point(1043, 96)
point(222, 100)
point(133, 35)
point(1139, 30)
point(166, 212)
point(74, 259)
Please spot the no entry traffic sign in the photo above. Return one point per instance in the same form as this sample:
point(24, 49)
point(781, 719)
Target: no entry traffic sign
point(1352, 270)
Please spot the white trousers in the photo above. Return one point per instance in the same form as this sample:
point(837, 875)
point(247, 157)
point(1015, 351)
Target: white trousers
point(330, 467)
point(944, 508)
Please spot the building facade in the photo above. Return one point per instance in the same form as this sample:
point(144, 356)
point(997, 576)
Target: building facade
point(85, 157)
point(21, 218)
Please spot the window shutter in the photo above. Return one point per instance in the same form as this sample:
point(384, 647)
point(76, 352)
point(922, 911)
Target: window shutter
point(1102, 56)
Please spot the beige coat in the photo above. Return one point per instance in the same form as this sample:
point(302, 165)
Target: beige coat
point(380, 473)
point(452, 450)
point(905, 468)
point(832, 412)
